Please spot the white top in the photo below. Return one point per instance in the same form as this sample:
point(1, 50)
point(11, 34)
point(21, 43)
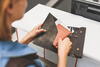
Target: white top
point(39, 13)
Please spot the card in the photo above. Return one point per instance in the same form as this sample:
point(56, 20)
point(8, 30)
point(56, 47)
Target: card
point(62, 33)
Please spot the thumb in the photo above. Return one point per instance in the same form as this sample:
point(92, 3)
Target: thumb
point(41, 30)
point(59, 41)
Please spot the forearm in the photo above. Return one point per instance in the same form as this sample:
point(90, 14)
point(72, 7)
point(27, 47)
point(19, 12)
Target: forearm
point(62, 61)
point(25, 40)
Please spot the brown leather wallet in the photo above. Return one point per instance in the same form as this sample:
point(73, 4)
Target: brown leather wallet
point(47, 39)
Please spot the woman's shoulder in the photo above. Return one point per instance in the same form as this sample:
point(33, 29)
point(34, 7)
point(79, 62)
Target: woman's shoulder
point(11, 44)
point(15, 49)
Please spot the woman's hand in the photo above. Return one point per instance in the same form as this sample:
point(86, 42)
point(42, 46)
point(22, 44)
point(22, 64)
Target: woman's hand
point(64, 47)
point(30, 35)
point(36, 31)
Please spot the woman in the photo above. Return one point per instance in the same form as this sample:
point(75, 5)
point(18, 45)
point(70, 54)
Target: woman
point(10, 11)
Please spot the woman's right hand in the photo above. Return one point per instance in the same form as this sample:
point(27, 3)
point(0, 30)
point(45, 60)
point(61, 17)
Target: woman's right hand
point(64, 47)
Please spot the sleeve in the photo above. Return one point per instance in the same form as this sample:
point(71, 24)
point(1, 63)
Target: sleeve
point(14, 49)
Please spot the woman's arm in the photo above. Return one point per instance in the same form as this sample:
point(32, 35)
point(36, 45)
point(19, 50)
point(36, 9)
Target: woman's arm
point(64, 47)
point(25, 40)
point(62, 62)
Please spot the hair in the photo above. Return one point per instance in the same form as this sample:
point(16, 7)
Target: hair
point(5, 33)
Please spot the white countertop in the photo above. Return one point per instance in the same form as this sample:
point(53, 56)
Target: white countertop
point(39, 13)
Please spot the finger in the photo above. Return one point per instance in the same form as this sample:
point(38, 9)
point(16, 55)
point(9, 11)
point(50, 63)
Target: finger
point(55, 43)
point(69, 45)
point(59, 41)
point(57, 46)
point(38, 26)
point(66, 39)
point(41, 30)
point(70, 49)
